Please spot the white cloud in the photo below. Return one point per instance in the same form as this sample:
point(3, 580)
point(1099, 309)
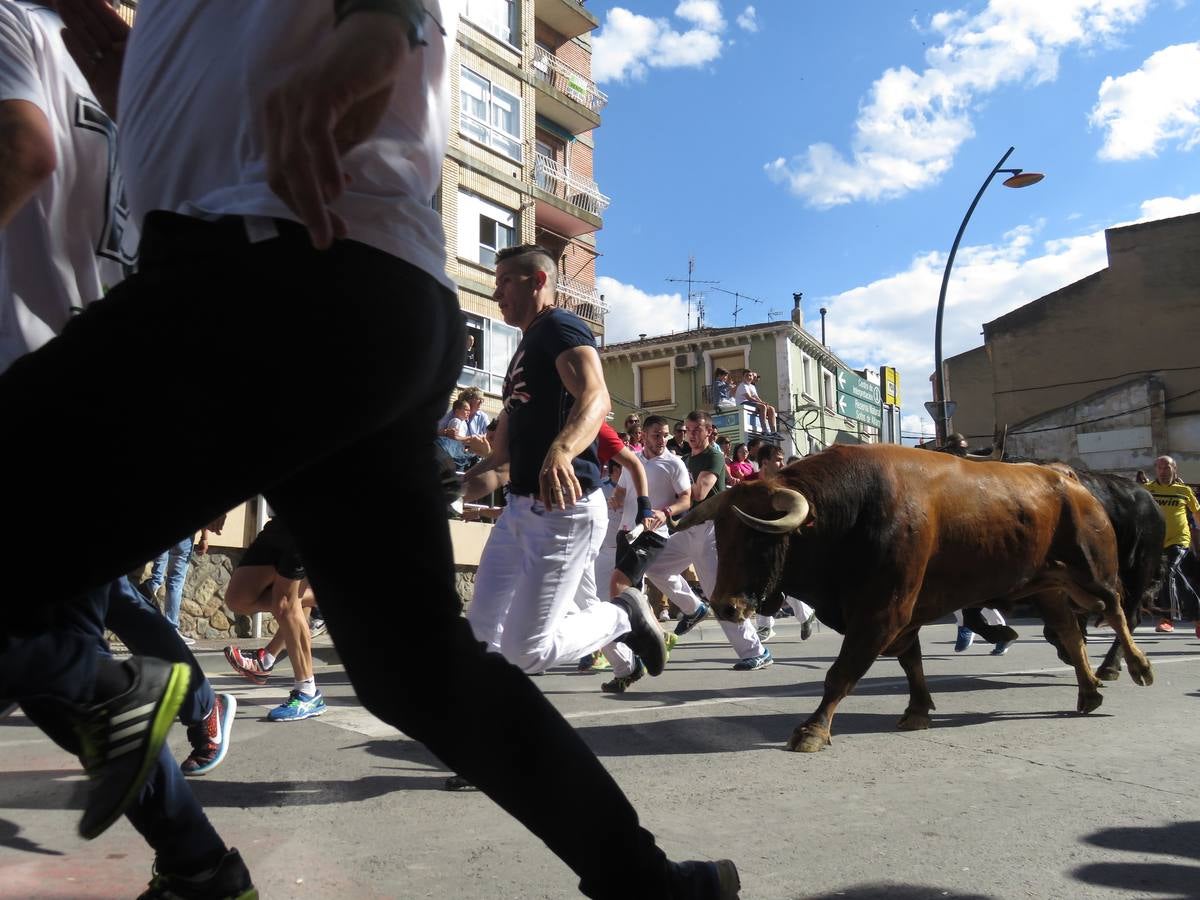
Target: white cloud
point(748, 19)
point(629, 43)
point(705, 14)
point(1151, 106)
point(912, 123)
point(632, 311)
point(890, 321)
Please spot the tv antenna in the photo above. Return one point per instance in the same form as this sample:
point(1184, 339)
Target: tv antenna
point(699, 297)
point(738, 297)
point(772, 313)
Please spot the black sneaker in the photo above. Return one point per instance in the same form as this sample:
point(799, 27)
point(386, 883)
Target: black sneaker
point(703, 880)
point(230, 880)
point(688, 621)
point(458, 783)
point(622, 682)
point(121, 738)
point(645, 638)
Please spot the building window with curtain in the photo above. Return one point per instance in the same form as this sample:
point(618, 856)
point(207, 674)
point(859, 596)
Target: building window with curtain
point(655, 384)
point(484, 229)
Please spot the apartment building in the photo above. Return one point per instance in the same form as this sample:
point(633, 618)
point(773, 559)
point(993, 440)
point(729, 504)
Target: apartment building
point(519, 165)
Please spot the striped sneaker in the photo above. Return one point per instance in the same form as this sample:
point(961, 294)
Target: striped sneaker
point(299, 706)
point(121, 738)
point(249, 664)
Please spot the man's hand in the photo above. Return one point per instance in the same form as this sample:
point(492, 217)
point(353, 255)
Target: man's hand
point(95, 36)
point(201, 547)
point(328, 105)
point(560, 487)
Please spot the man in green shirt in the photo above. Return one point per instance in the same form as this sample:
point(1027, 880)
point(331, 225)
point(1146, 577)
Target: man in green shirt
point(1175, 500)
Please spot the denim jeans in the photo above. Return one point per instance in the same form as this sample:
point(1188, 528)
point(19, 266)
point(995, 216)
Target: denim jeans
point(52, 672)
point(344, 456)
point(171, 568)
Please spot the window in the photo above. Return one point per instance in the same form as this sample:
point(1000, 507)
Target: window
point(493, 347)
point(496, 17)
point(490, 115)
point(656, 384)
point(827, 384)
point(483, 229)
point(807, 365)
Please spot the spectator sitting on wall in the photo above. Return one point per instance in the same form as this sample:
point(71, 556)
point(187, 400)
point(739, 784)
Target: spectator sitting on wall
point(747, 395)
point(454, 436)
point(477, 419)
point(722, 391)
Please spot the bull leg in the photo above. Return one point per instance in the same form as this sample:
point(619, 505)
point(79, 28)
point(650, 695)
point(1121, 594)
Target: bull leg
point(1139, 667)
point(1110, 668)
point(916, 717)
point(863, 643)
point(1060, 617)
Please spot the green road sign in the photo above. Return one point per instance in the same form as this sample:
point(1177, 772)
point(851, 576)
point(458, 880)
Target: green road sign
point(859, 388)
point(860, 410)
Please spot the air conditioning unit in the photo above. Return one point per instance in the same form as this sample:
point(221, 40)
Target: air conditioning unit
point(685, 360)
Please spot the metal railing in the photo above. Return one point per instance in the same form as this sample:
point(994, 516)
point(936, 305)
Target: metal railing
point(555, 178)
point(580, 299)
point(551, 70)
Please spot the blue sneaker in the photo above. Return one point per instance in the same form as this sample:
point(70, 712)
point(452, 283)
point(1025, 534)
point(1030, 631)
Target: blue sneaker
point(299, 706)
point(761, 661)
point(1001, 648)
point(687, 622)
point(965, 636)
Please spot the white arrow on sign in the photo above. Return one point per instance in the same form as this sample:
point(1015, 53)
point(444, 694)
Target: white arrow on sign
point(842, 405)
point(842, 379)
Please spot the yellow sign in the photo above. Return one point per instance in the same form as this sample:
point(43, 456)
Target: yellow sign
point(891, 386)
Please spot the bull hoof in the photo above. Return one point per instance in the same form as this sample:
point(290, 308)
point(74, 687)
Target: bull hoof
point(1089, 702)
point(914, 721)
point(1144, 677)
point(1108, 673)
point(809, 739)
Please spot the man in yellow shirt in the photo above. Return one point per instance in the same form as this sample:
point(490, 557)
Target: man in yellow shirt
point(1175, 500)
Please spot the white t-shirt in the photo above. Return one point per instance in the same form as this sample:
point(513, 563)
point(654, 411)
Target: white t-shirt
point(745, 391)
point(667, 476)
point(71, 240)
point(459, 426)
point(196, 77)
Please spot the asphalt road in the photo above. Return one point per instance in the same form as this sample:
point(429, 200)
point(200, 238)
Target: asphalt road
point(1011, 794)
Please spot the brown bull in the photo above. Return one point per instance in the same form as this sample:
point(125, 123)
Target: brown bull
point(882, 539)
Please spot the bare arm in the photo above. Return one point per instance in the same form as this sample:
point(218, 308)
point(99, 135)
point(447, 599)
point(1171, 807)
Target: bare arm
point(476, 486)
point(579, 369)
point(27, 156)
point(499, 455)
point(703, 484)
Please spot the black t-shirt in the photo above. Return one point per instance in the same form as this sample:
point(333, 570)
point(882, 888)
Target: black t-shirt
point(537, 403)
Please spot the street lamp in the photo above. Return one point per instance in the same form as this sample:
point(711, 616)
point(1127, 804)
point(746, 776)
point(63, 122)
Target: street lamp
point(1017, 178)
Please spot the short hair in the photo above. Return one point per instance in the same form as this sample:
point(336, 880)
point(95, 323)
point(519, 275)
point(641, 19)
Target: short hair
point(530, 258)
point(471, 395)
point(462, 402)
point(651, 421)
point(792, 459)
point(766, 453)
point(699, 416)
point(718, 373)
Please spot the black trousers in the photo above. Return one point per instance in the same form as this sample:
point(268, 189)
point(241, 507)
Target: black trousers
point(324, 375)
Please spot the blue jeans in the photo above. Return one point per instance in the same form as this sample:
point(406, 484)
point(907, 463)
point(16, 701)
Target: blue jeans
point(456, 450)
point(54, 671)
point(171, 567)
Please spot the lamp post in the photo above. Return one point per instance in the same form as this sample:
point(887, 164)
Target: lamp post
point(1018, 178)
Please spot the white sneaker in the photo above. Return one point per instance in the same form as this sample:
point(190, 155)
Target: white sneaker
point(664, 615)
point(190, 641)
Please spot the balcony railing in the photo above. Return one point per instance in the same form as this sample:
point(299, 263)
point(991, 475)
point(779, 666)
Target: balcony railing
point(555, 178)
point(551, 70)
point(580, 299)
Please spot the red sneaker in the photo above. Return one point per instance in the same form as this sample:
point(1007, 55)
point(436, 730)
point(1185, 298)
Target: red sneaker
point(249, 665)
point(1164, 627)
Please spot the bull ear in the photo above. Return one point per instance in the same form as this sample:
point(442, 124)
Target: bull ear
point(705, 512)
point(792, 504)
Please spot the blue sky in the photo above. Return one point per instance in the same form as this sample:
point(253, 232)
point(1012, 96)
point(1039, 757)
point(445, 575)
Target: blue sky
point(833, 149)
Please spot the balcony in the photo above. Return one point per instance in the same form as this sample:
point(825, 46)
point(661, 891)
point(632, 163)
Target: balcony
point(567, 17)
point(567, 202)
point(580, 299)
point(566, 97)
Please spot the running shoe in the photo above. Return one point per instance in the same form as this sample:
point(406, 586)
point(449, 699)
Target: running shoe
point(664, 615)
point(644, 638)
point(120, 738)
point(190, 641)
point(965, 637)
point(806, 626)
point(458, 783)
point(688, 621)
point(751, 663)
point(1164, 627)
point(621, 683)
point(299, 706)
point(1001, 648)
point(672, 640)
point(704, 880)
point(229, 880)
point(210, 738)
point(249, 665)
point(766, 633)
point(316, 624)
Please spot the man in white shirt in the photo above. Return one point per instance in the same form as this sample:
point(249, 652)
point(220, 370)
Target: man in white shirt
point(280, 161)
point(747, 395)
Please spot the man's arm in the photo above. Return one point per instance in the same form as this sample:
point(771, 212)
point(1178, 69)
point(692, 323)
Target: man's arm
point(499, 455)
point(703, 484)
point(484, 483)
point(631, 463)
point(579, 369)
point(27, 156)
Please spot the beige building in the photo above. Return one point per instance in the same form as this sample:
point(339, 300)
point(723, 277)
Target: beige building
point(1104, 372)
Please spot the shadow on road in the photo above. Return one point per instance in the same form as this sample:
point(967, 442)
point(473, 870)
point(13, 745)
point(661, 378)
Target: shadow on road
point(8, 838)
point(884, 891)
point(1162, 879)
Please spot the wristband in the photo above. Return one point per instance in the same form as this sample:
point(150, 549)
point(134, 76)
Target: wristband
point(645, 510)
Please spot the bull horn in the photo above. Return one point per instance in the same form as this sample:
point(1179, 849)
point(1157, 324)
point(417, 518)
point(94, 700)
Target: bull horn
point(791, 503)
point(705, 512)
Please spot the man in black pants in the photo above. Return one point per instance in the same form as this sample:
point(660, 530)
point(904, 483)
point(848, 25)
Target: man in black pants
point(230, 284)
